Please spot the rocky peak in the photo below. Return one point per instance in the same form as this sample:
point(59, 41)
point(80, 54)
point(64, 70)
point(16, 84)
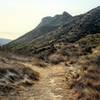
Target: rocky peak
point(66, 14)
point(57, 20)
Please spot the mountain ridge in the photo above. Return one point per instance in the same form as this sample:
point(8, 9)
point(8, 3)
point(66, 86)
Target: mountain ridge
point(44, 27)
point(70, 31)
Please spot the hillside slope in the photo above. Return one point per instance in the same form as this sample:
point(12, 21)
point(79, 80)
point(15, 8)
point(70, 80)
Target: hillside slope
point(72, 30)
point(47, 24)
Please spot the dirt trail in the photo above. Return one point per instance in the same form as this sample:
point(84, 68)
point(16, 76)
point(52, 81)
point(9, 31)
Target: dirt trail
point(52, 84)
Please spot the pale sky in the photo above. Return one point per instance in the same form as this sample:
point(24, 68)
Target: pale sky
point(17, 17)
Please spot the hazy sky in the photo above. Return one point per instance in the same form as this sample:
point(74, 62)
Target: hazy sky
point(20, 16)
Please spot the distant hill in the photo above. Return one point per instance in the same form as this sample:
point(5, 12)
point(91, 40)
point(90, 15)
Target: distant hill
point(4, 41)
point(53, 30)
